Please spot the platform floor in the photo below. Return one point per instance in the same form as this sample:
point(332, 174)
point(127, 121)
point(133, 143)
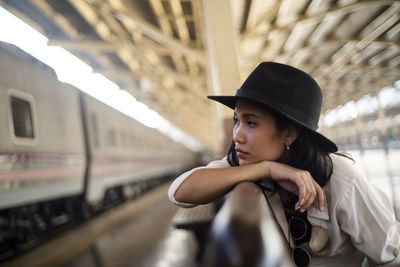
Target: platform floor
point(146, 240)
point(137, 233)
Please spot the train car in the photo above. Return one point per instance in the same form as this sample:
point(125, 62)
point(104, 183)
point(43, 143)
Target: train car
point(65, 156)
point(126, 156)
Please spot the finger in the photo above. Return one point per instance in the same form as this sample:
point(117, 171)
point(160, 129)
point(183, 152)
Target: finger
point(308, 203)
point(302, 191)
point(309, 187)
point(320, 195)
point(311, 196)
point(311, 192)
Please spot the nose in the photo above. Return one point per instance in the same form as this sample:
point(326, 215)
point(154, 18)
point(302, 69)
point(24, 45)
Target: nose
point(238, 135)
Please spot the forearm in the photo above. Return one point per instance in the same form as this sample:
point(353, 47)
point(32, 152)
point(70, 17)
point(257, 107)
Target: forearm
point(208, 184)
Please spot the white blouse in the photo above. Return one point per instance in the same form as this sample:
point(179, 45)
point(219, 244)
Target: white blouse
point(357, 222)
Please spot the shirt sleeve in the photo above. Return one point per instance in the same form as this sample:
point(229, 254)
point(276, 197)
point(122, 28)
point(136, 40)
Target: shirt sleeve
point(223, 163)
point(367, 216)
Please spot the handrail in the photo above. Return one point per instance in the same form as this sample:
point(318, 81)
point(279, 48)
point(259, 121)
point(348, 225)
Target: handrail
point(245, 232)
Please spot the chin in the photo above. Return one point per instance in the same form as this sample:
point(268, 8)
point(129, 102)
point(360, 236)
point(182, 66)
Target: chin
point(245, 162)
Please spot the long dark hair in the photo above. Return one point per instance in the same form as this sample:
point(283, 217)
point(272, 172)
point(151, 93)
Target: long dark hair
point(305, 153)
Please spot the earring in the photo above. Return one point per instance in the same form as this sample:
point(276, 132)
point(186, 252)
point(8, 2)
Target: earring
point(287, 147)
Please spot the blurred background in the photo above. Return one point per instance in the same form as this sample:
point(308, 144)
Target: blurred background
point(104, 101)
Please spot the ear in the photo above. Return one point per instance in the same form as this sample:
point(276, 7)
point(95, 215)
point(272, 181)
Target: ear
point(290, 134)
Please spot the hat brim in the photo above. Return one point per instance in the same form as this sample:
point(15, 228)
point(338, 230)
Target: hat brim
point(230, 101)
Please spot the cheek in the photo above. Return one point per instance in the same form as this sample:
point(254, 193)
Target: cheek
point(270, 147)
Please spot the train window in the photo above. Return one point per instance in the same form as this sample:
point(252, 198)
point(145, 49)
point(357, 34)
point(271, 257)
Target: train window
point(22, 118)
point(111, 138)
point(124, 138)
point(95, 129)
point(133, 140)
point(140, 143)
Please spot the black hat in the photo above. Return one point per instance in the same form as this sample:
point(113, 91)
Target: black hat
point(287, 90)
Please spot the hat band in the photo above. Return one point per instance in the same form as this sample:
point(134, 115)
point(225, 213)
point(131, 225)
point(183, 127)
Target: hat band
point(293, 113)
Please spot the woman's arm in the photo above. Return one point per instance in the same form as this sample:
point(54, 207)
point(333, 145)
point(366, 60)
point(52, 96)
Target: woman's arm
point(207, 184)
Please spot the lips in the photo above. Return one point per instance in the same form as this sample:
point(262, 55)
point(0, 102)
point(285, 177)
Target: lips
point(240, 153)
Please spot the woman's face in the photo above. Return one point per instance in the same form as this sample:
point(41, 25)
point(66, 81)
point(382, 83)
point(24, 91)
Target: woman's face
point(255, 134)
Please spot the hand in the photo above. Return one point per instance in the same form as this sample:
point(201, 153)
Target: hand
point(298, 182)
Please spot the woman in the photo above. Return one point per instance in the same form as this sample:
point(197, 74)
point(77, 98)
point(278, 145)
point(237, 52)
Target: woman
point(329, 212)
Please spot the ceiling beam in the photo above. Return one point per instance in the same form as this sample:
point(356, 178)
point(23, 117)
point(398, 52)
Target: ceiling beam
point(153, 33)
point(268, 17)
point(336, 10)
point(352, 48)
point(23, 17)
point(166, 29)
point(60, 20)
point(109, 47)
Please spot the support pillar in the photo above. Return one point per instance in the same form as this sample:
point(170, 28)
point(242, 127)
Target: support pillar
point(223, 69)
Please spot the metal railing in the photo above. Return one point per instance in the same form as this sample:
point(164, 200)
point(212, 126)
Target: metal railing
point(245, 232)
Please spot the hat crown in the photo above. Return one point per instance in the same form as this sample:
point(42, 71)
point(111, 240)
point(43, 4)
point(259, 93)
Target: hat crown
point(287, 90)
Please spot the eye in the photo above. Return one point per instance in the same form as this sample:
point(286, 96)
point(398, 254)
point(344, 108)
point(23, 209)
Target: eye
point(235, 119)
point(251, 123)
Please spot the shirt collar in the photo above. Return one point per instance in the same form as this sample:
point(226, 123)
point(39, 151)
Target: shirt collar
point(314, 212)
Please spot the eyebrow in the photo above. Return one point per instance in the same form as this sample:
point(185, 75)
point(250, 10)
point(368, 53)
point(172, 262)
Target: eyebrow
point(247, 115)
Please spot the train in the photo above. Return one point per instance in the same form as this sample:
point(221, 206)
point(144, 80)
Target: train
point(66, 156)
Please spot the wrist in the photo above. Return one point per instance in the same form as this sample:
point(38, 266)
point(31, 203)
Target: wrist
point(266, 167)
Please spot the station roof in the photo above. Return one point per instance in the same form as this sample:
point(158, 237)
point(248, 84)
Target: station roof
point(171, 54)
